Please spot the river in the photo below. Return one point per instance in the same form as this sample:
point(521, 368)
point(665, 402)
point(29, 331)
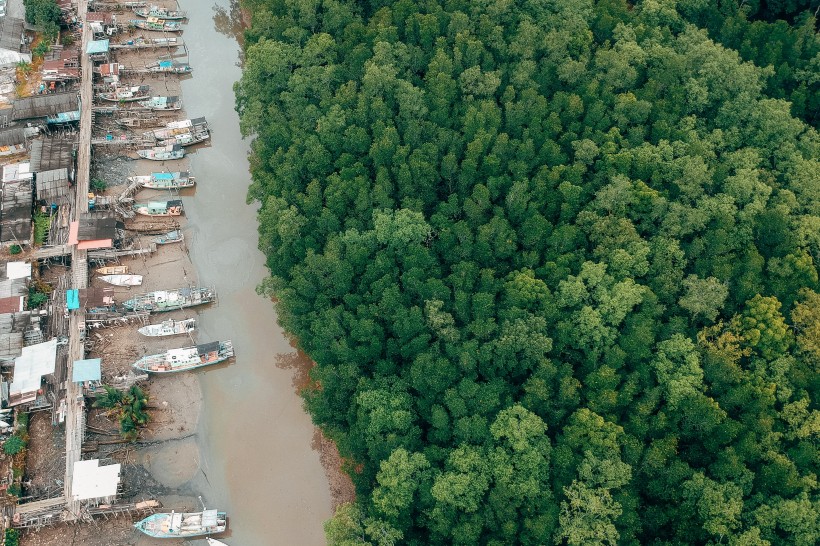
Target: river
point(255, 439)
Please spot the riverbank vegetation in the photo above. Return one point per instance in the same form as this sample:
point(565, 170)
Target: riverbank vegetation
point(556, 262)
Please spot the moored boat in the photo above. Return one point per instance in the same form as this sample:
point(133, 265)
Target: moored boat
point(122, 280)
point(169, 328)
point(159, 25)
point(186, 358)
point(169, 66)
point(162, 104)
point(160, 208)
point(183, 524)
point(185, 132)
point(113, 270)
point(161, 13)
point(214, 542)
point(162, 153)
point(126, 94)
point(170, 237)
point(170, 300)
point(164, 181)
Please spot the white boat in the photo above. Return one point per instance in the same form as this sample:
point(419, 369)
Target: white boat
point(175, 236)
point(162, 103)
point(183, 524)
point(162, 153)
point(122, 280)
point(164, 181)
point(214, 542)
point(169, 328)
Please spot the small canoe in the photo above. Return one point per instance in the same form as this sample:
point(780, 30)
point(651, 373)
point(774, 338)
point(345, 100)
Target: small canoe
point(175, 236)
point(113, 270)
point(169, 328)
point(122, 280)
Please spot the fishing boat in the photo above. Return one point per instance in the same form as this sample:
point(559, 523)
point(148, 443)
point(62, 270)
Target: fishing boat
point(183, 524)
point(160, 208)
point(162, 104)
point(214, 542)
point(170, 300)
point(157, 24)
point(161, 13)
point(122, 280)
point(141, 42)
point(164, 181)
point(169, 66)
point(186, 358)
point(126, 94)
point(185, 132)
point(170, 237)
point(113, 270)
point(169, 328)
point(162, 153)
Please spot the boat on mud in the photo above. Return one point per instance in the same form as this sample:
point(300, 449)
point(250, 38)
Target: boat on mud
point(162, 153)
point(164, 181)
point(126, 94)
point(183, 524)
point(170, 300)
point(162, 104)
point(156, 24)
point(186, 358)
point(169, 328)
point(160, 208)
point(175, 236)
point(169, 66)
point(141, 42)
point(161, 13)
point(113, 270)
point(185, 132)
point(122, 280)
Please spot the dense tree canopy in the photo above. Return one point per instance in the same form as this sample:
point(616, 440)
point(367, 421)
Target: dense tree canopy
point(554, 260)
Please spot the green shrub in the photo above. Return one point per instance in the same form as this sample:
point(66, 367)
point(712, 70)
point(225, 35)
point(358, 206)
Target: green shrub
point(98, 185)
point(12, 537)
point(14, 489)
point(42, 223)
point(36, 298)
point(14, 445)
point(15, 249)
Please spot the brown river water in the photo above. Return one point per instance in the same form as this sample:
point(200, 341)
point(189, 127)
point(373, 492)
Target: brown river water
point(255, 439)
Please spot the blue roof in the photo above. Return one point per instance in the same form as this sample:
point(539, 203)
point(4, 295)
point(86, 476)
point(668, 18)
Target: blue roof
point(163, 176)
point(97, 46)
point(165, 63)
point(86, 370)
point(72, 299)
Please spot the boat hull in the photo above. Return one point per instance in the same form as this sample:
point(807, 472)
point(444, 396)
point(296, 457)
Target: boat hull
point(186, 359)
point(169, 328)
point(122, 280)
point(113, 270)
point(160, 526)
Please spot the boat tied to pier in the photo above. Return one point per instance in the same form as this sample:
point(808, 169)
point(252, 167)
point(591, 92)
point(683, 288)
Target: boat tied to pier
point(169, 328)
point(160, 208)
point(170, 237)
point(122, 280)
point(164, 181)
point(126, 94)
point(161, 13)
point(157, 24)
point(169, 66)
point(170, 300)
point(162, 153)
point(183, 524)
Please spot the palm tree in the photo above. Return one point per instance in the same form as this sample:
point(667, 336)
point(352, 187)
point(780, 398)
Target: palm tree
point(24, 66)
point(129, 407)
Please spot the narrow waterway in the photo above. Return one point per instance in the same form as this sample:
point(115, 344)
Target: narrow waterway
point(255, 442)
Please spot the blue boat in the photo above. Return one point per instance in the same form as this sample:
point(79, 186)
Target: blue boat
point(183, 524)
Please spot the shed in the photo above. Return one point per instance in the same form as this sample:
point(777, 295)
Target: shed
point(13, 141)
point(40, 106)
point(89, 232)
point(89, 480)
point(97, 47)
point(18, 270)
point(52, 186)
point(96, 297)
point(11, 34)
point(53, 153)
point(11, 304)
point(86, 370)
point(17, 172)
point(15, 213)
point(29, 369)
